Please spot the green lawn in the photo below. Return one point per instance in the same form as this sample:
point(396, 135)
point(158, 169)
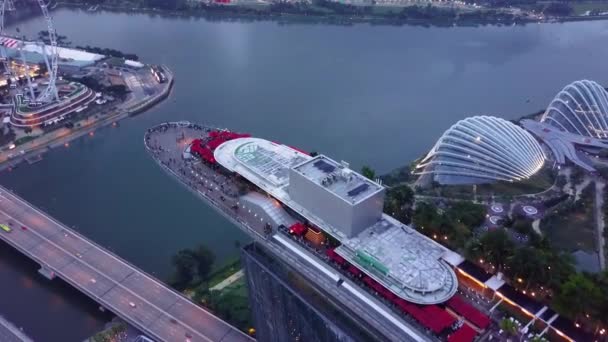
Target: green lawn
point(224, 271)
point(582, 7)
point(23, 140)
point(574, 228)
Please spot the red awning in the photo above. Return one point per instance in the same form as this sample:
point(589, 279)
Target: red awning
point(469, 312)
point(464, 334)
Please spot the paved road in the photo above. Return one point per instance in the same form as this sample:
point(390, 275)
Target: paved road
point(9, 333)
point(228, 281)
point(138, 298)
point(600, 219)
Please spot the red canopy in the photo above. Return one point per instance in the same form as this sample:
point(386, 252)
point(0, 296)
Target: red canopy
point(464, 334)
point(469, 312)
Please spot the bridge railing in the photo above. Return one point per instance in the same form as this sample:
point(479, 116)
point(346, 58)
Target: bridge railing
point(179, 295)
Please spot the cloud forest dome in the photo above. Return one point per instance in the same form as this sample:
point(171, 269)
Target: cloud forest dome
point(483, 149)
point(580, 108)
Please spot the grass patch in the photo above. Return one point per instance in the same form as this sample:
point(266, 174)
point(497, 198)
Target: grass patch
point(232, 304)
point(581, 7)
point(110, 334)
point(23, 140)
point(223, 272)
point(572, 225)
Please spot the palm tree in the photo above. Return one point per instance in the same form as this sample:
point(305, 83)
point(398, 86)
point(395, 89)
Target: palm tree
point(497, 247)
point(508, 326)
point(528, 264)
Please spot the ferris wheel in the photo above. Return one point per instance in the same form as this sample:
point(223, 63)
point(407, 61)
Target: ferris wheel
point(48, 93)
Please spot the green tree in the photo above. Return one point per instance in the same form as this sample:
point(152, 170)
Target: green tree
point(459, 235)
point(470, 214)
point(528, 264)
point(205, 259)
point(185, 263)
point(508, 326)
point(368, 172)
point(494, 246)
point(523, 226)
point(578, 296)
point(398, 203)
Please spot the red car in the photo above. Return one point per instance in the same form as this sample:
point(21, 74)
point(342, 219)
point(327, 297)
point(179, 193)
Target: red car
point(23, 228)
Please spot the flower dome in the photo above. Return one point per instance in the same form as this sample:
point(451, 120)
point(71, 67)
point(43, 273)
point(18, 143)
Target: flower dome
point(580, 108)
point(483, 149)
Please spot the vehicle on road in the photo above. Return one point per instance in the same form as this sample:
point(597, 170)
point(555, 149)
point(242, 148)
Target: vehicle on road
point(5, 228)
point(131, 304)
point(23, 228)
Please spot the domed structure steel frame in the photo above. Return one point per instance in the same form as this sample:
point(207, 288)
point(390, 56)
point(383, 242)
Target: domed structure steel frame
point(580, 108)
point(484, 149)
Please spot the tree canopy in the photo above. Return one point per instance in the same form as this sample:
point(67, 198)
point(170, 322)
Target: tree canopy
point(368, 172)
point(190, 265)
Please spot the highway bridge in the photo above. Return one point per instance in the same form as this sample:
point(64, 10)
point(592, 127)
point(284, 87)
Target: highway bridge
point(118, 286)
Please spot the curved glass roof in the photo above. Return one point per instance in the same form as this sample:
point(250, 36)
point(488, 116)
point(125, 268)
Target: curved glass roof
point(483, 149)
point(580, 108)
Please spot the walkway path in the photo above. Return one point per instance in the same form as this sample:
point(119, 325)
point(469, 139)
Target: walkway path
point(599, 217)
point(10, 333)
point(228, 281)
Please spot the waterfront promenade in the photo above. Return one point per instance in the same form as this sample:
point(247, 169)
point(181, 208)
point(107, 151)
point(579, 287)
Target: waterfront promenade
point(138, 298)
point(137, 102)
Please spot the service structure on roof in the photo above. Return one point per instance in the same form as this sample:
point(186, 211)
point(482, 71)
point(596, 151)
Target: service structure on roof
point(347, 206)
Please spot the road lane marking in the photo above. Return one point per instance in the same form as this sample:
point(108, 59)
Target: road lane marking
point(110, 279)
point(178, 295)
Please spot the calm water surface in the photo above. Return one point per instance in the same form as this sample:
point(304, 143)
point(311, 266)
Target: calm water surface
point(369, 95)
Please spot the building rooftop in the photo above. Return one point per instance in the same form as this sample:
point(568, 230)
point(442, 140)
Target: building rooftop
point(266, 159)
point(338, 179)
point(410, 259)
point(407, 262)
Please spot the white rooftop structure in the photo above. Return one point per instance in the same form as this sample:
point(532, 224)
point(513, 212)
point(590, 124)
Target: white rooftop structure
point(65, 53)
point(407, 262)
point(134, 64)
point(482, 149)
point(338, 179)
point(580, 108)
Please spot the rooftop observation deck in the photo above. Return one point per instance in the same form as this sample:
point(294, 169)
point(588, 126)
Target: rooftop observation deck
point(339, 180)
point(403, 260)
point(115, 284)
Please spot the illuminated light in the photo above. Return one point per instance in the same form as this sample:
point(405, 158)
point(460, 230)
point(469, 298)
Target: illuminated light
point(524, 291)
point(577, 325)
point(66, 144)
point(471, 278)
point(533, 294)
point(445, 237)
point(519, 280)
point(481, 261)
point(602, 332)
point(91, 134)
point(434, 236)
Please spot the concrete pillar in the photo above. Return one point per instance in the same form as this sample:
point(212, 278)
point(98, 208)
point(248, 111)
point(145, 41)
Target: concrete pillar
point(46, 272)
